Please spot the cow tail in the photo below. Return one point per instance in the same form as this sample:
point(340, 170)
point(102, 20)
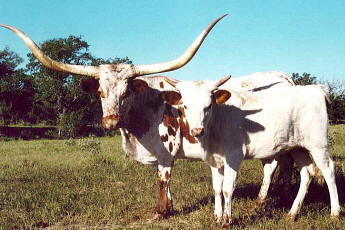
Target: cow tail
point(325, 90)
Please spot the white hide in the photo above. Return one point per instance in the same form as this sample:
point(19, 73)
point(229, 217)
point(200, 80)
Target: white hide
point(261, 125)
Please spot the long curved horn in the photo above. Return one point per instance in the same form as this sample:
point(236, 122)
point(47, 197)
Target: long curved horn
point(180, 61)
point(171, 81)
point(92, 71)
point(222, 81)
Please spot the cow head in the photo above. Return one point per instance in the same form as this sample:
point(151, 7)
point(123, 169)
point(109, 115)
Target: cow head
point(198, 99)
point(116, 90)
point(116, 82)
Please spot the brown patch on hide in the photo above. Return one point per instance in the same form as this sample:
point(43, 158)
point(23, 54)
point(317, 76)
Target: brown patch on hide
point(184, 126)
point(167, 175)
point(138, 85)
point(171, 132)
point(169, 119)
point(181, 112)
point(110, 122)
point(155, 103)
point(161, 84)
point(172, 97)
point(164, 204)
point(226, 194)
point(170, 147)
point(164, 138)
point(136, 123)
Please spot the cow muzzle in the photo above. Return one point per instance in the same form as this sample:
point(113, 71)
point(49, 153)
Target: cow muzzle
point(197, 132)
point(110, 122)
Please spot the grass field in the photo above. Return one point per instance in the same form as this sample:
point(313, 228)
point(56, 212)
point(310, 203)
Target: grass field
point(90, 184)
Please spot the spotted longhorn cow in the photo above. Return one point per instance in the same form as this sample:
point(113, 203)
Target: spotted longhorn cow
point(122, 92)
point(232, 126)
point(152, 132)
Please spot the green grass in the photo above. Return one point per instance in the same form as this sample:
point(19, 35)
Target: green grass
point(90, 184)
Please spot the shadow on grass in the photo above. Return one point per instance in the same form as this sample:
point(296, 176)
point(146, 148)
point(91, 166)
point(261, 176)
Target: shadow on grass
point(317, 196)
point(196, 206)
point(338, 157)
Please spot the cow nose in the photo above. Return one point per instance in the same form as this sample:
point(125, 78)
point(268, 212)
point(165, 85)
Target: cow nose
point(110, 122)
point(197, 132)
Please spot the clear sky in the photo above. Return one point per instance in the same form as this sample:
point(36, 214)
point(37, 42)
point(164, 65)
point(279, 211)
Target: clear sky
point(291, 36)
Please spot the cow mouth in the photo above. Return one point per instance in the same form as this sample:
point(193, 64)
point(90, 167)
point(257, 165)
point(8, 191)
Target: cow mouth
point(111, 122)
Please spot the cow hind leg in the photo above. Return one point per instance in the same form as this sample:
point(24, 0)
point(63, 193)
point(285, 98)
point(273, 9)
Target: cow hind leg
point(302, 191)
point(326, 166)
point(217, 183)
point(286, 164)
point(306, 166)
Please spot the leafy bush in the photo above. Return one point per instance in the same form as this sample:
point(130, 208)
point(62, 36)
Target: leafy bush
point(70, 124)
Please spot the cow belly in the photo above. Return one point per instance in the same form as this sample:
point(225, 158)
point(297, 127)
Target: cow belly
point(191, 151)
point(268, 144)
point(196, 152)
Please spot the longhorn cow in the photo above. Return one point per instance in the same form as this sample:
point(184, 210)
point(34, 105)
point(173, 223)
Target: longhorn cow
point(152, 132)
point(232, 126)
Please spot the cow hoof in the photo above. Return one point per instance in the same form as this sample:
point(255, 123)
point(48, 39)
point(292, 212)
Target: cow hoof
point(218, 219)
point(225, 225)
point(226, 222)
point(158, 216)
point(257, 204)
point(291, 217)
point(335, 217)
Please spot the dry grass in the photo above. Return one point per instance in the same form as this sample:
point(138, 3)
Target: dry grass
point(90, 184)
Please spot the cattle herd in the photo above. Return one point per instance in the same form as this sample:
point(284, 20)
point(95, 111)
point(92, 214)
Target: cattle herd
point(258, 116)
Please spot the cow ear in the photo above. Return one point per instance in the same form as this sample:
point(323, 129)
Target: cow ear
point(138, 85)
point(221, 96)
point(89, 85)
point(172, 97)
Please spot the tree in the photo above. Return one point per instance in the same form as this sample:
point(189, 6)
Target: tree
point(59, 99)
point(305, 79)
point(16, 89)
point(336, 108)
point(53, 97)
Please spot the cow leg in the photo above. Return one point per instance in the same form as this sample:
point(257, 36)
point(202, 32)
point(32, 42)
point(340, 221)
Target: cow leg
point(164, 205)
point(326, 165)
point(217, 183)
point(269, 168)
point(285, 163)
point(228, 189)
point(306, 166)
point(302, 191)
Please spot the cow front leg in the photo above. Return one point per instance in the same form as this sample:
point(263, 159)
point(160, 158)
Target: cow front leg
point(217, 183)
point(228, 189)
point(164, 204)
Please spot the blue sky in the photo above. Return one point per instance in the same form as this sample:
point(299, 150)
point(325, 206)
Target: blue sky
point(291, 36)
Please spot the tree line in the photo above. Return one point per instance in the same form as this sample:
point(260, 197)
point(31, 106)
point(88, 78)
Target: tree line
point(33, 94)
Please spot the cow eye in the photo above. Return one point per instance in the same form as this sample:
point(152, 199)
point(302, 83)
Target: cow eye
point(185, 107)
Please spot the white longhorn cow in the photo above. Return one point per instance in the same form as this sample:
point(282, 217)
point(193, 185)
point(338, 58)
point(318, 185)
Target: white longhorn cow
point(232, 126)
